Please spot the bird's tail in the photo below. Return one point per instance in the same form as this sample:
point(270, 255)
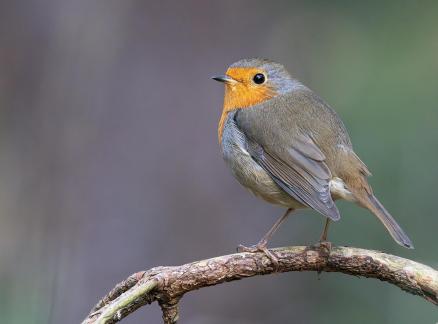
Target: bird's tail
point(385, 217)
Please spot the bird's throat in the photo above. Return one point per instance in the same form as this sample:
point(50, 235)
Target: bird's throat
point(242, 97)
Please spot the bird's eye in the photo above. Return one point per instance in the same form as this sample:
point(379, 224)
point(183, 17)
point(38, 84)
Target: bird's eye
point(259, 78)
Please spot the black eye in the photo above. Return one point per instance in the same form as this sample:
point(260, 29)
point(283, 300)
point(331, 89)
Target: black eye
point(259, 78)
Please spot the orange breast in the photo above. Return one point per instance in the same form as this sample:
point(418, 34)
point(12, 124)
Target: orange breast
point(242, 94)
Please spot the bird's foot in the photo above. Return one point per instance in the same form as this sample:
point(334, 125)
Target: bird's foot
point(260, 247)
point(324, 245)
point(324, 248)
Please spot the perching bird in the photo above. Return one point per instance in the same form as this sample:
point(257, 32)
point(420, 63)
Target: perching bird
point(290, 148)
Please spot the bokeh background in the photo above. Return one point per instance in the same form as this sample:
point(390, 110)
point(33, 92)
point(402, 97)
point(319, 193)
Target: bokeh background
point(109, 162)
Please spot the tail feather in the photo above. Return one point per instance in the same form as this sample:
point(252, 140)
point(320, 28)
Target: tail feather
point(391, 225)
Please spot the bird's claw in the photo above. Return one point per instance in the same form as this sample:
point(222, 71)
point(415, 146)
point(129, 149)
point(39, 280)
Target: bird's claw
point(324, 245)
point(260, 247)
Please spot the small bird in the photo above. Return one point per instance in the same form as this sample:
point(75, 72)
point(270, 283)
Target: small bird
point(290, 148)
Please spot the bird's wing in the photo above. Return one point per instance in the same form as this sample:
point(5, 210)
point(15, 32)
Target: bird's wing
point(292, 159)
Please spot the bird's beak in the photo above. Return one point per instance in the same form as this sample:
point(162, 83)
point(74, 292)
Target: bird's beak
point(224, 78)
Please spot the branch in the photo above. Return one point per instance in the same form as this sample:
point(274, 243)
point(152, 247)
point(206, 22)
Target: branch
point(167, 285)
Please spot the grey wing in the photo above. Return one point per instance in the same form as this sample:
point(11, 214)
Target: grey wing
point(298, 168)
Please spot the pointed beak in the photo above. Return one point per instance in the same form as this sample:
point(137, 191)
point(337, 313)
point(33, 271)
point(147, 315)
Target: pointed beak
point(224, 78)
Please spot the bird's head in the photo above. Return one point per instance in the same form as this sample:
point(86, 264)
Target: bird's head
point(249, 82)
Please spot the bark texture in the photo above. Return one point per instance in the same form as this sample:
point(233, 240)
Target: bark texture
point(167, 285)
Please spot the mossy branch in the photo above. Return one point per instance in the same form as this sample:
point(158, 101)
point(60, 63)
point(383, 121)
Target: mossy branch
point(167, 285)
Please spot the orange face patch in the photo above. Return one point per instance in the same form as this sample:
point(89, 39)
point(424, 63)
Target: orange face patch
point(243, 93)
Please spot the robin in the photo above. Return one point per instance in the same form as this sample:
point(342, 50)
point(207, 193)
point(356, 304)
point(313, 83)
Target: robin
point(290, 148)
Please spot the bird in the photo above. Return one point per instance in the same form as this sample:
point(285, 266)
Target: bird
point(290, 148)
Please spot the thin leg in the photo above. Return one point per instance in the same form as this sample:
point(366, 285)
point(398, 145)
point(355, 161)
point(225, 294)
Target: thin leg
point(261, 246)
point(275, 227)
point(325, 231)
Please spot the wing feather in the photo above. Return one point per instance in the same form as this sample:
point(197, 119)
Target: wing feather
point(298, 166)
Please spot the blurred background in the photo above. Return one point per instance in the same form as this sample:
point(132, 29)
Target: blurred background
point(109, 161)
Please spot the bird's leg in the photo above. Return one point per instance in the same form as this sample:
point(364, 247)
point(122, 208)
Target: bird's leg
point(261, 246)
point(323, 239)
point(324, 233)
